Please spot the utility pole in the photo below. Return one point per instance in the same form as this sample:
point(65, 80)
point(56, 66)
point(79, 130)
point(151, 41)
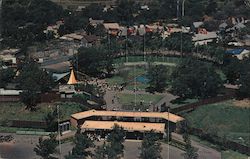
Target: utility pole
point(144, 53)
point(135, 86)
point(177, 9)
point(1, 2)
point(168, 135)
point(126, 52)
point(183, 8)
point(59, 131)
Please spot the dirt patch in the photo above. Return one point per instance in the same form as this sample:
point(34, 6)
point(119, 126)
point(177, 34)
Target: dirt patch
point(242, 103)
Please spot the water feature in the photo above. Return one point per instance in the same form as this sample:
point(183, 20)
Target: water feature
point(142, 79)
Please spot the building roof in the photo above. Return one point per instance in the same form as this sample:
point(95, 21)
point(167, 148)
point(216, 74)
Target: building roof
point(223, 25)
point(235, 51)
point(91, 38)
point(111, 26)
point(95, 22)
point(197, 24)
point(208, 35)
point(9, 92)
point(72, 78)
point(60, 67)
point(58, 76)
point(73, 36)
point(128, 126)
point(240, 26)
point(164, 115)
point(67, 89)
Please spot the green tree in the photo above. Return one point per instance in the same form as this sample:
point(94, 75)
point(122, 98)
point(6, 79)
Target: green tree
point(6, 75)
point(211, 7)
point(101, 151)
point(195, 79)
point(191, 152)
point(151, 148)
point(46, 148)
point(94, 11)
point(115, 142)
point(33, 81)
point(244, 82)
point(82, 144)
point(157, 76)
point(174, 42)
point(24, 21)
point(232, 69)
point(51, 121)
point(95, 61)
point(125, 10)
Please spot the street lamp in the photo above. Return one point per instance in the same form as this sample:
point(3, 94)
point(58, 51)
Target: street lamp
point(183, 8)
point(168, 108)
point(59, 132)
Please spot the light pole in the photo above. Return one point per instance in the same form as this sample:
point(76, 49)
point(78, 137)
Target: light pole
point(59, 132)
point(183, 8)
point(168, 134)
point(1, 19)
point(177, 9)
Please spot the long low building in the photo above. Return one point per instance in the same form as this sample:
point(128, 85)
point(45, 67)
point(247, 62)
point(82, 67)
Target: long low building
point(127, 126)
point(96, 113)
point(139, 122)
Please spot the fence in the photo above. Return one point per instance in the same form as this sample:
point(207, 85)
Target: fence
point(228, 144)
point(50, 97)
point(9, 98)
point(201, 103)
point(28, 124)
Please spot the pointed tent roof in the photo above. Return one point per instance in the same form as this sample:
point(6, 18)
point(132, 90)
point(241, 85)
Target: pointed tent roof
point(72, 78)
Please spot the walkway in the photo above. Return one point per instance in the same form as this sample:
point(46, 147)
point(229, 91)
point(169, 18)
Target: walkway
point(204, 151)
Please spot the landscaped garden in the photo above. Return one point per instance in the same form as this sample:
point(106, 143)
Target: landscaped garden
point(226, 119)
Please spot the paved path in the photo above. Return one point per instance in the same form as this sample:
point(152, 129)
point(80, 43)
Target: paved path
point(109, 97)
point(166, 99)
point(204, 151)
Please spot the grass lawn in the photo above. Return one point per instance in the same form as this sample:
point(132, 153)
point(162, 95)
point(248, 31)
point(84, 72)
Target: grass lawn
point(176, 103)
point(139, 86)
point(228, 154)
point(115, 80)
point(232, 155)
point(15, 111)
point(225, 119)
point(142, 100)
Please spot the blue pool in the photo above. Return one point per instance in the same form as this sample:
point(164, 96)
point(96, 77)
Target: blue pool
point(142, 79)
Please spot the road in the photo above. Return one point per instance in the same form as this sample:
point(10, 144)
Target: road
point(23, 145)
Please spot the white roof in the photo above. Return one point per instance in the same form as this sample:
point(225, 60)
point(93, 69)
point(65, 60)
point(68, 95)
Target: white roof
point(141, 30)
point(240, 26)
point(9, 92)
point(197, 24)
point(111, 26)
point(243, 54)
point(223, 25)
point(73, 36)
point(209, 35)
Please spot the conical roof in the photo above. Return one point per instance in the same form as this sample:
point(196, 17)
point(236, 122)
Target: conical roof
point(72, 78)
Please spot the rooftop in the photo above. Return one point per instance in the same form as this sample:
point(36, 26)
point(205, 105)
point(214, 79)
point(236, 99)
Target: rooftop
point(128, 126)
point(164, 115)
